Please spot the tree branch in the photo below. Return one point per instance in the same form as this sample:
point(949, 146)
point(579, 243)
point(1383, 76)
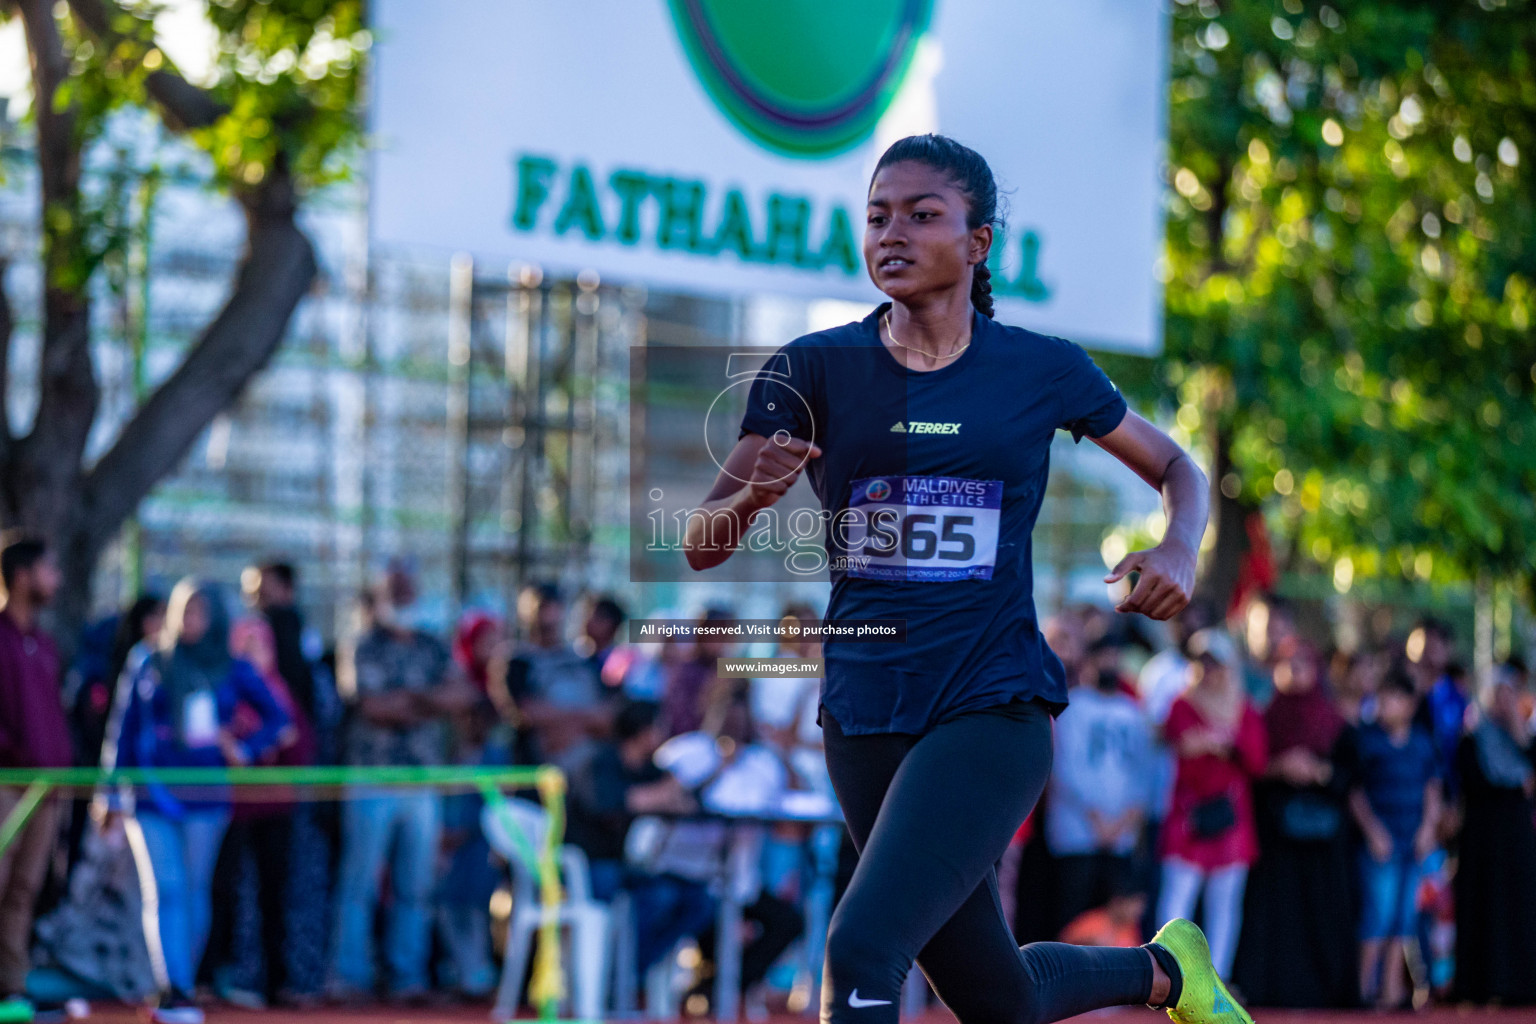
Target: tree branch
point(183, 105)
point(275, 274)
point(58, 166)
point(47, 460)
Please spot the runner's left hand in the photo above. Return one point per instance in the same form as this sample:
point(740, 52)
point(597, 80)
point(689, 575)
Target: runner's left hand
point(1167, 580)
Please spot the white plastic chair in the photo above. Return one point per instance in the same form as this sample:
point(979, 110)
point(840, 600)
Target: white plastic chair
point(516, 830)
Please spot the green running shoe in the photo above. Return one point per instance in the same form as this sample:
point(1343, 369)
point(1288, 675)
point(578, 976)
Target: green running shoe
point(1204, 999)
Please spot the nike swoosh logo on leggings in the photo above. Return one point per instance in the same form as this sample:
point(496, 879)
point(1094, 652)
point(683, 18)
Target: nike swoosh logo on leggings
point(859, 1004)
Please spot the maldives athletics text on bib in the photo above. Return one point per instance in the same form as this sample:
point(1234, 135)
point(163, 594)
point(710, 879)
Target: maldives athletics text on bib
point(925, 529)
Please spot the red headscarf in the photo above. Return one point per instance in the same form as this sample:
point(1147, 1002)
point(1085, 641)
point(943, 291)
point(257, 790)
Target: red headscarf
point(1307, 719)
point(472, 626)
point(250, 638)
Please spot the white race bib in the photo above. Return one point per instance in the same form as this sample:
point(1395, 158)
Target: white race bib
point(200, 720)
point(929, 529)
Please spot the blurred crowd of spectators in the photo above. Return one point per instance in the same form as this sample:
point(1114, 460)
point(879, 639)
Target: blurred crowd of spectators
point(1353, 827)
point(1356, 827)
point(277, 898)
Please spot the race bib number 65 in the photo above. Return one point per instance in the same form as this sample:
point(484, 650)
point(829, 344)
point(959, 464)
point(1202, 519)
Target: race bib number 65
point(930, 529)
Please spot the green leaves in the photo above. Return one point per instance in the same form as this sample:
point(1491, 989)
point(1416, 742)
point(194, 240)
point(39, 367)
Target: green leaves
point(288, 72)
point(285, 75)
point(1348, 265)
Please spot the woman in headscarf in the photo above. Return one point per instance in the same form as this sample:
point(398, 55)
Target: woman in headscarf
point(469, 877)
point(181, 713)
point(249, 951)
point(1297, 945)
point(292, 856)
point(480, 650)
point(476, 640)
point(1496, 880)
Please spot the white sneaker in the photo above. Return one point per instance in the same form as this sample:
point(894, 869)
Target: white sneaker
point(178, 1012)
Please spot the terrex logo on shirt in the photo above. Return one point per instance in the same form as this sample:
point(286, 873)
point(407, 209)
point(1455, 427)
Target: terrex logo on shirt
point(925, 427)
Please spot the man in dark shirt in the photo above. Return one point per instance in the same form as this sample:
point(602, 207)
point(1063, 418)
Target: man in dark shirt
point(691, 684)
point(403, 686)
point(619, 781)
point(33, 734)
point(599, 636)
point(561, 705)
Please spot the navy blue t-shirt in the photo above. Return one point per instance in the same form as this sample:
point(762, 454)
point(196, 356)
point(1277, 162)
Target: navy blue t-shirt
point(932, 481)
point(1394, 778)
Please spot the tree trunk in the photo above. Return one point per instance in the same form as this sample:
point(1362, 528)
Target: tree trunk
point(45, 486)
point(72, 607)
point(81, 512)
point(275, 274)
point(44, 472)
point(1219, 575)
point(41, 485)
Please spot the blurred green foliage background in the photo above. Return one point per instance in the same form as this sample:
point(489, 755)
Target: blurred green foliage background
point(1349, 275)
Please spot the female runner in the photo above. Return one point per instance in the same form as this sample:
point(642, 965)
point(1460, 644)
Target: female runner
point(925, 429)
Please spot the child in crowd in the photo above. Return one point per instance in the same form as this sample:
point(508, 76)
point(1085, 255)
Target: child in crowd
point(1100, 792)
point(1396, 800)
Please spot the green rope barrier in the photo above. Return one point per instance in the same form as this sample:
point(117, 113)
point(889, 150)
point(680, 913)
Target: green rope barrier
point(317, 775)
point(547, 983)
point(17, 819)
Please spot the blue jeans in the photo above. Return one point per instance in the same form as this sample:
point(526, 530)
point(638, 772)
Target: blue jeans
point(181, 855)
point(370, 820)
point(1390, 907)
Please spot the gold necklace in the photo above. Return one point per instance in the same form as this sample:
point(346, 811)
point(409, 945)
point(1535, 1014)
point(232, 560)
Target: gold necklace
point(923, 351)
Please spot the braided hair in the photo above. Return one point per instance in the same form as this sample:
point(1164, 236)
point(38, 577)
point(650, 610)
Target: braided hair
point(971, 175)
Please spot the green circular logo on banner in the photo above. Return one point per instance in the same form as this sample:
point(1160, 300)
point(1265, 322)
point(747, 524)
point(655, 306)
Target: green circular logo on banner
point(807, 78)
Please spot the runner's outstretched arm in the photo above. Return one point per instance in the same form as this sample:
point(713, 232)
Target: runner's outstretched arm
point(756, 474)
point(1167, 570)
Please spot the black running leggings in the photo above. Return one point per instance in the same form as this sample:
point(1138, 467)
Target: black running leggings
point(931, 815)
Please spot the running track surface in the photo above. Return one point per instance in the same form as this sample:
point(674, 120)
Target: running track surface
point(111, 1014)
